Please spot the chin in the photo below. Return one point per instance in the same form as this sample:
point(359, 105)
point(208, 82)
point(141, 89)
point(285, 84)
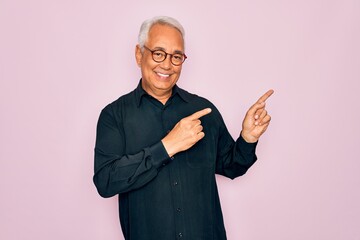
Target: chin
point(164, 86)
point(165, 82)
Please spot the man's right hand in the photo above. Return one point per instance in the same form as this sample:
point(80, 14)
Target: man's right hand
point(185, 134)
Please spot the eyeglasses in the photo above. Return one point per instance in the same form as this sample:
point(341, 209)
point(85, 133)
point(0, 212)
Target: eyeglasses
point(159, 56)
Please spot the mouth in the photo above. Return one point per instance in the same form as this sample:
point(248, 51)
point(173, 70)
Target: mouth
point(163, 75)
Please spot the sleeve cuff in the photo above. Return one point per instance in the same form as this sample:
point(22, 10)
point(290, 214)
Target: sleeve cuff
point(159, 155)
point(246, 147)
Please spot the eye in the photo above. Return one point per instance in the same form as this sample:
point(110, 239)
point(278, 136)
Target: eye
point(159, 54)
point(178, 57)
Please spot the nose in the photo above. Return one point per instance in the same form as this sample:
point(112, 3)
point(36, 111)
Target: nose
point(166, 64)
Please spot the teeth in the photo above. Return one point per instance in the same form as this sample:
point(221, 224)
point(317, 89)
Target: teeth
point(163, 75)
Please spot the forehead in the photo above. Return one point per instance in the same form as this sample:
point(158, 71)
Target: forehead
point(165, 36)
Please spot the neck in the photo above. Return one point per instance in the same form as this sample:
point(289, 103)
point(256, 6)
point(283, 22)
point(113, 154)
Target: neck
point(161, 96)
point(163, 100)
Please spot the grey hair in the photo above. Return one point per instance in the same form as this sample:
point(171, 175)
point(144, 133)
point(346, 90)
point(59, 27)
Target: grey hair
point(147, 24)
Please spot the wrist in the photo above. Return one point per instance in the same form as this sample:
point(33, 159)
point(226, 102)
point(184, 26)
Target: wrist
point(168, 147)
point(248, 137)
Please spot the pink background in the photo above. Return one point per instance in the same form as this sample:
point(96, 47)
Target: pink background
point(62, 61)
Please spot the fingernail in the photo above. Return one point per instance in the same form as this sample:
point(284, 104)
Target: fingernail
point(256, 123)
point(256, 116)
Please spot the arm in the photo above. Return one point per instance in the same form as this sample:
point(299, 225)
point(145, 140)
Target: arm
point(234, 159)
point(115, 171)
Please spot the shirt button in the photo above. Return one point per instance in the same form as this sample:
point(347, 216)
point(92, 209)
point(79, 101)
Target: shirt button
point(180, 235)
point(175, 183)
point(178, 209)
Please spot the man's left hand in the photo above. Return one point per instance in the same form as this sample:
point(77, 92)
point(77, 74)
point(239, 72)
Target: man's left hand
point(256, 120)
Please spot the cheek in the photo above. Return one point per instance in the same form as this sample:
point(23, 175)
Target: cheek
point(146, 69)
point(150, 66)
point(177, 69)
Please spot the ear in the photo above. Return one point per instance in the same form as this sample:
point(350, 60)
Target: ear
point(138, 55)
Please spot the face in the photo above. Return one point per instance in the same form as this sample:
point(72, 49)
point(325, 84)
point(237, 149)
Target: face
point(159, 78)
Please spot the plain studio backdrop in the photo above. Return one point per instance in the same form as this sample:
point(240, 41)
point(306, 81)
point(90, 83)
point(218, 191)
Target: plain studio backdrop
point(62, 61)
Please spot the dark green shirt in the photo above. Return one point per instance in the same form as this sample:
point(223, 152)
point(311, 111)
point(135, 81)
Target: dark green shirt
point(162, 198)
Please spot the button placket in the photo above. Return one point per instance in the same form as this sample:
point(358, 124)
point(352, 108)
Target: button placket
point(177, 198)
point(169, 120)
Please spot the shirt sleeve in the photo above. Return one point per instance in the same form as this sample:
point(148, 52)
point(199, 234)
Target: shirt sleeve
point(115, 171)
point(234, 158)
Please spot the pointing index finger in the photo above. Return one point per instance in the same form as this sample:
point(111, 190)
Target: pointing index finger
point(264, 97)
point(200, 113)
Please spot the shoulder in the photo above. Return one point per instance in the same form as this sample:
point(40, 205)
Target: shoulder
point(197, 103)
point(196, 100)
point(116, 108)
point(124, 100)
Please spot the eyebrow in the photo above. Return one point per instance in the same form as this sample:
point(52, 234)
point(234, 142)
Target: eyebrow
point(163, 49)
point(178, 52)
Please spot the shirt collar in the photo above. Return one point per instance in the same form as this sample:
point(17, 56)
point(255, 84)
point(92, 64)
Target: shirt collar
point(140, 92)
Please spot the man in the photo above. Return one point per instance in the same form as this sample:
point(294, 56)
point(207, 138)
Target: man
point(159, 147)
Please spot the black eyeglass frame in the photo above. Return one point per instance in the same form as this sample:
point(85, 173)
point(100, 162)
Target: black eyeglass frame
point(166, 54)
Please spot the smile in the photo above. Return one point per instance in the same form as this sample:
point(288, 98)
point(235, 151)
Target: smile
point(163, 75)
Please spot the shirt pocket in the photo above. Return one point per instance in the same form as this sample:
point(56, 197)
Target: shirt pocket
point(202, 154)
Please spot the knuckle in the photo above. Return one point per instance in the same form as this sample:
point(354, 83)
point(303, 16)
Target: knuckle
point(183, 122)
